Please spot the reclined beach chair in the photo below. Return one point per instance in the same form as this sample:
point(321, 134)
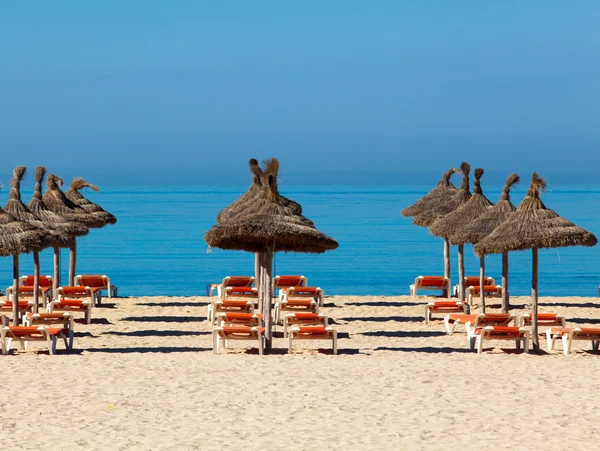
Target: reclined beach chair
point(312, 333)
point(544, 319)
point(239, 319)
point(444, 307)
point(301, 292)
point(26, 292)
point(303, 319)
point(431, 283)
point(570, 334)
point(94, 295)
point(25, 334)
point(490, 291)
point(98, 282)
point(226, 306)
point(45, 283)
point(472, 281)
point(240, 293)
point(303, 302)
point(506, 333)
point(473, 322)
point(24, 306)
point(46, 319)
point(230, 281)
point(280, 282)
point(227, 333)
point(72, 306)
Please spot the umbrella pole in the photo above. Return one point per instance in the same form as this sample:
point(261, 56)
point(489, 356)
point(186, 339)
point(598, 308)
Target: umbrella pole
point(56, 282)
point(447, 261)
point(36, 280)
point(461, 271)
point(265, 295)
point(15, 298)
point(534, 299)
point(72, 262)
point(482, 282)
point(257, 271)
point(505, 296)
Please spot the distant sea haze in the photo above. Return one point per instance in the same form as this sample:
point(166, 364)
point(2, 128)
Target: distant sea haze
point(157, 246)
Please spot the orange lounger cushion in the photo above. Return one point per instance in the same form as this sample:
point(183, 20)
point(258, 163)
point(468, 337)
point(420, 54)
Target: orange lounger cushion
point(238, 315)
point(584, 330)
point(486, 289)
point(72, 303)
point(247, 291)
point(289, 281)
point(502, 330)
point(462, 317)
point(23, 331)
point(299, 302)
point(446, 304)
point(44, 282)
point(312, 329)
point(302, 315)
point(242, 329)
point(433, 281)
point(22, 304)
point(234, 303)
point(76, 290)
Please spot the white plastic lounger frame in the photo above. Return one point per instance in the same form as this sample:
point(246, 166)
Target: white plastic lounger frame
point(418, 285)
point(329, 334)
point(487, 334)
point(7, 336)
point(435, 307)
point(254, 333)
point(291, 320)
point(568, 338)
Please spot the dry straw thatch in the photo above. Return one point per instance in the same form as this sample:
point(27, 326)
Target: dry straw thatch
point(57, 202)
point(101, 216)
point(534, 226)
point(453, 223)
point(19, 237)
point(441, 206)
point(444, 190)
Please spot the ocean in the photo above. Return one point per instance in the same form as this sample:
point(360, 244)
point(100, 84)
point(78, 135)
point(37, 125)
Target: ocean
point(157, 245)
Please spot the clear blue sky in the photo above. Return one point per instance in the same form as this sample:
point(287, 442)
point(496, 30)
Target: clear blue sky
point(356, 91)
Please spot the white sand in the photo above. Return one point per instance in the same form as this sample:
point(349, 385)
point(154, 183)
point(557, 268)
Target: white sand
point(144, 377)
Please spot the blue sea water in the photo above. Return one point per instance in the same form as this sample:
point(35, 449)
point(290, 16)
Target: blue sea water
point(157, 246)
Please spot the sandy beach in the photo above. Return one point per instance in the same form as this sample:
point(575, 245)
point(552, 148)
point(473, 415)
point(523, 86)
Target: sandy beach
point(143, 376)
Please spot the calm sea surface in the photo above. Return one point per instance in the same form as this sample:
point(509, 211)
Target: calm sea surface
point(157, 246)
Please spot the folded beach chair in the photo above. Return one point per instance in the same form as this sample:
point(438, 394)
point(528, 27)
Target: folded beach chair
point(93, 294)
point(26, 292)
point(301, 302)
point(431, 283)
point(506, 333)
point(25, 334)
point(72, 306)
point(570, 334)
point(312, 333)
point(280, 282)
point(472, 281)
point(490, 291)
point(301, 292)
point(473, 322)
point(98, 282)
point(303, 319)
point(228, 305)
point(230, 281)
point(544, 319)
point(227, 333)
point(239, 319)
point(444, 307)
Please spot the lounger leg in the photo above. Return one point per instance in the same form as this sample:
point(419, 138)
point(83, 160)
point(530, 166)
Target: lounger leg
point(5, 343)
point(447, 325)
point(526, 344)
point(335, 348)
point(261, 343)
point(472, 340)
point(595, 344)
point(427, 315)
point(88, 317)
point(290, 336)
point(52, 348)
point(23, 344)
point(518, 344)
point(480, 343)
point(549, 341)
point(566, 344)
point(215, 342)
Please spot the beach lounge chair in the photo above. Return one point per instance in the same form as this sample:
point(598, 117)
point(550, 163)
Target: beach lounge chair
point(239, 319)
point(227, 333)
point(45, 283)
point(72, 306)
point(301, 292)
point(26, 292)
point(24, 306)
point(230, 281)
point(241, 293)
point(312, 333)
point(570, 334)
point(307, 302)
point(25, 334)
point(490, 291)
point(473, 322)
point(472, 281)
point(45, 319)
point(431, 283)
point(544, 319)
point(93, 294)
point(98, 282)
point(444, 307)
point(280, 282)
point(303, 319)
point(505, 333)
point(228, 305)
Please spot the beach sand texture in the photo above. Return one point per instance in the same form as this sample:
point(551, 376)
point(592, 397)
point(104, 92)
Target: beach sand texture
point(143, 376)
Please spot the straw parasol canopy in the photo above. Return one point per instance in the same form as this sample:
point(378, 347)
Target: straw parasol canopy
point(443, 190)
point(74, 195)
point(269, 226)
point(57, 202)
point(534, 226)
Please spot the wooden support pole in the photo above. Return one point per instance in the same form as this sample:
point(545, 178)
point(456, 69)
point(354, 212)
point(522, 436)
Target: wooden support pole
point(482, 282)
point(461, 271)
point(15, 297)
point(265, 295)
point(447, 267)
point(36, 280)
point(56, 281)
point(257, 271)
point(505, 295)
point(534, 299)
point(72, 262)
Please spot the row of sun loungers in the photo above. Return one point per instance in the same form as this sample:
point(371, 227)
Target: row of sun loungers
point(442, 284)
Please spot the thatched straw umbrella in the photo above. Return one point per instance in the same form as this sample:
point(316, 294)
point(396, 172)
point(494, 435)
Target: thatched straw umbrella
point(18, 237)
point(269, 228)
point(57, 202)
point(453, 222)
point(101, 216)
point(477, 229)
point(533, 226)
point(444, 190)
point(444, 207)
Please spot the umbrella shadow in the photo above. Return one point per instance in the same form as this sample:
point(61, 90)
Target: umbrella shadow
point(166, 319)
point(584, 320)
point(158, 333)
point(571, 304)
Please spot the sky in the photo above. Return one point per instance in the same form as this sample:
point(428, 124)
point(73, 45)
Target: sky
point(348, 92)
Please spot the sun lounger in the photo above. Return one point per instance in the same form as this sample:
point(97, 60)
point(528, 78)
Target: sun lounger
point(45, 319)
point(312, 333)
point(98, 282)
point(490, 291)
point(281, 282)
point(230, 281)
point(570, 334)
point(444, 307)
point(227, 333)
point(303, 319)
point(431, 283)
point(93, 294)
point(300, 292)
point(505, 333)
point(73, 306)
point(239, 319)
point(45, 283)
point(26, 292)
point(473, 322)
point(228, 305)
point(25, 334)
point(307, 303)
point(544, 319)
point(24, 306)
point(241, 293)
point(472, 281)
